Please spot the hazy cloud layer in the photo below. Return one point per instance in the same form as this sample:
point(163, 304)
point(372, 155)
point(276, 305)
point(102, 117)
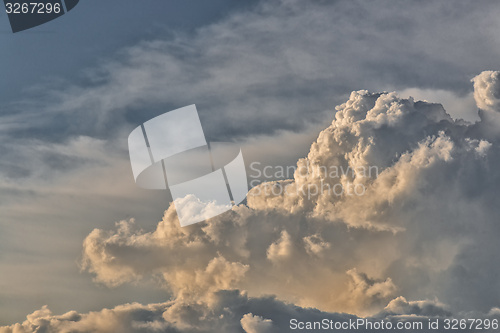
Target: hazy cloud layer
point(278, 62)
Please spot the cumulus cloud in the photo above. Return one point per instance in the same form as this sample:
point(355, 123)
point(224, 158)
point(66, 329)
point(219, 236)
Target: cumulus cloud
point(281, 249)
point(459, 106)
point(235, 252)
point(409, 233)
point(256, 324)
point(487, 91)
point(315, 244)
point(362, 288)
point(487, 96)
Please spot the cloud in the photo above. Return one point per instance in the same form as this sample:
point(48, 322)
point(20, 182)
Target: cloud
point(315, 245)
point(487, 91)
point(271, 62)
point(281, 249)
point(256, 324)
point(427, 308)
point(409, 239)
point(235, 252)
point(459, 106)
point(231, 311)
point(362, 289)
point(411, 232)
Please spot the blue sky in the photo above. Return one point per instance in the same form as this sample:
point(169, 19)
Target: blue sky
point(92, 33)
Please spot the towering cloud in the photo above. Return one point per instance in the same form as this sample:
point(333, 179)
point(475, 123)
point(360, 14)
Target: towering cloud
point(389, 201)
point(392, 213)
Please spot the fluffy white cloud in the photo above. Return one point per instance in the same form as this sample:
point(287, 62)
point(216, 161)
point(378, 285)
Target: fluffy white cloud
point(410, 232)
point(487, 91)
point(256, 324)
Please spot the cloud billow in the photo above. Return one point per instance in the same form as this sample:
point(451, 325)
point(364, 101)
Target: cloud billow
point(424, 231)
point(419, 223)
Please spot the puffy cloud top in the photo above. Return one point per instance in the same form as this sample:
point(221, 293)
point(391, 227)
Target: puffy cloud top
point(487, 91)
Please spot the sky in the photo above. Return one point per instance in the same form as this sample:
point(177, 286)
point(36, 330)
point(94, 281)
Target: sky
point(409, 88)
